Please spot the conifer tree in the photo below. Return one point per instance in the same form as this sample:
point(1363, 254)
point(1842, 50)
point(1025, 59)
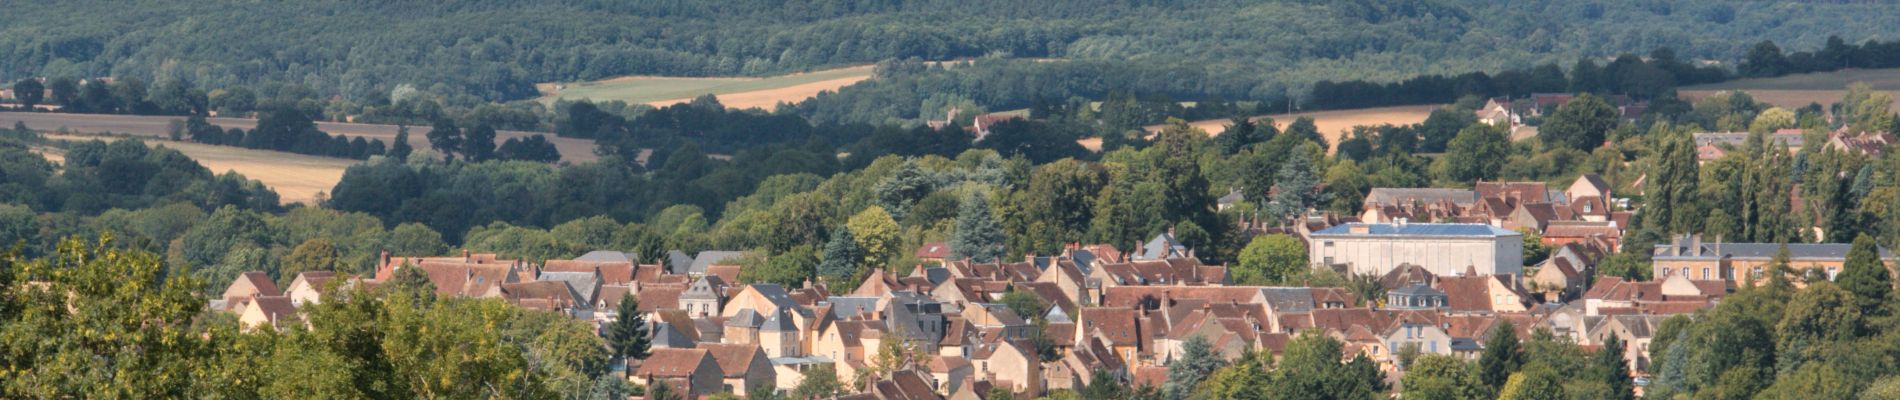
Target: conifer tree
point(1501, 357)
point(1864, 275)
point(841, 257)
point(628, 333)
point(978, 237)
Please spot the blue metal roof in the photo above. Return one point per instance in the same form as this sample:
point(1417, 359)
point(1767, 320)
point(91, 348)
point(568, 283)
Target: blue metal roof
point(1413, 229)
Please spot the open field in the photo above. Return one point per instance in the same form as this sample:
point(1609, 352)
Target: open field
point(572, 150)
point(735, 92)
point(1802, 89)
point(297, 178)
point(1334, 124)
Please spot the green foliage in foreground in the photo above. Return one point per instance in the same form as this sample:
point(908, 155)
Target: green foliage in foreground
point(96, 321)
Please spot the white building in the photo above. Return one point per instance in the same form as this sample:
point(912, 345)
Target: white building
point(1443, 249)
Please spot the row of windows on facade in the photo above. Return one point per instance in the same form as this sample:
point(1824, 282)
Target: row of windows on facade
point(1666, 272)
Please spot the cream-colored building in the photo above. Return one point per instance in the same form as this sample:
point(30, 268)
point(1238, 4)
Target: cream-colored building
point(1443, 249)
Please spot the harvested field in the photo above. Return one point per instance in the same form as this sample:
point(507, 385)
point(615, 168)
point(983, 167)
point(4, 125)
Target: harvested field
point(1786, 98)
point(572, 150)
point(1334, 124)
point(735, 92)
point(1799, 90)
point(297, 178)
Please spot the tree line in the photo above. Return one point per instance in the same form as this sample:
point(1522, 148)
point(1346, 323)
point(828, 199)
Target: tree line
point(1766, 59)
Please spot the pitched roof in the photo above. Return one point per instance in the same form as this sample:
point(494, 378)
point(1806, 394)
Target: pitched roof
point(1408, 196)
point(608, 256)
point(314, 279)
point(779, 321)
point(673, 363)
point(258, 281)
point(678, 262)
point(543, 295)
point(1607, 229)
point(1524, 192)
point(665, 335)
point(1162, 246)
point(734, 359)
point(276, 308)
point(1468, 293)
point(933, 250)
point(712, 257)
point(653, 298)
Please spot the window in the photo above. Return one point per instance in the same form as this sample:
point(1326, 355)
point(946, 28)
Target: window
point(1831, 271)
point(1434, 347)
point(1705, 273)
point(1328, 260)
point(1328, 243)
point(1664, 274)
point(1757, 272)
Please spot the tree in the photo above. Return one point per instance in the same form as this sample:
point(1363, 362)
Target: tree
point(99, 322)
point(400, 148)
point(1197, 361)
point(533, 148)
point(1763, 60)
point(478, 144)
point(415, 239)
point(445, 138)
point(1270, 259)
point(820, 381)
point(1310, 369)
point(627, 334)
point(1538, 382)
point(978, 236)
point(876, 233)
point(316, 254)
point(1812, 381)
point(1580, 124)
point(999, 393)
point(1439, 377)
point(1864, 275)
point(1867, 110)
point(1444, 124)
point(1671, 195)
point(1104, 385)
point(29, 92)
point(1023, 302)
point(841, 259)
point(1297, 185)
point(1816, 321)
point(1501, 356)
point(1246, 378)
point(1609, 368)
point(660, 390)
point(1478, 152)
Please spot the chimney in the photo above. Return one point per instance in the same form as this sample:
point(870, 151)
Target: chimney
point(465, 256)
point(385, 257)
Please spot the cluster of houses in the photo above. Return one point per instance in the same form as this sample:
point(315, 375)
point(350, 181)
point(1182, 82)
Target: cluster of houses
point(1713, 145)
point(941, 329)
point(1511, 113)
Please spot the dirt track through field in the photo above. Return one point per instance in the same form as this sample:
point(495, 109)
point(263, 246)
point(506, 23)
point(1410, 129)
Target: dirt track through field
point(572, 150)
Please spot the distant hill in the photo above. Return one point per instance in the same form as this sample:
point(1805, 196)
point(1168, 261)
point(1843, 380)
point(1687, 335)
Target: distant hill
point(498, 50)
